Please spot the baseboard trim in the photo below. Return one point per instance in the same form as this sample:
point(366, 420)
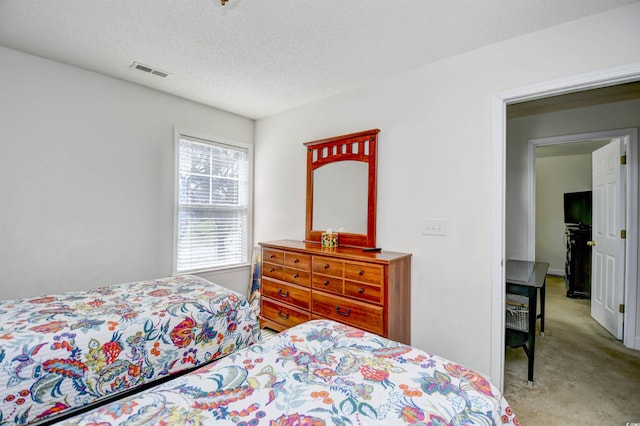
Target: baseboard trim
point(556, 272)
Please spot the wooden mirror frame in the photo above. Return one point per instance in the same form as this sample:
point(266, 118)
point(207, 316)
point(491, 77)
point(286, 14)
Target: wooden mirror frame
point(341, 148)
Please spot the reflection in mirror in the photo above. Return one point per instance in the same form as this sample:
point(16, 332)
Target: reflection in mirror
point(346, 210)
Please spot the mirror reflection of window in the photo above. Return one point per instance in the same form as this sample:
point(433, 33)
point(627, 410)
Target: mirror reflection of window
point(340, 197)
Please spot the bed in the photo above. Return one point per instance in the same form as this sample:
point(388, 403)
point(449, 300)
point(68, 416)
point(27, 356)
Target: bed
point(64, 351)
point(320, 372)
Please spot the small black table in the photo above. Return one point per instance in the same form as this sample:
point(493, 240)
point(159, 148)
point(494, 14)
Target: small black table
point(524, 278)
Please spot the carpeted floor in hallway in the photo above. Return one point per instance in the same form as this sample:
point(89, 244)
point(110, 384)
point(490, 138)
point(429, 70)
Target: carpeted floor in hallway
point(583, 375)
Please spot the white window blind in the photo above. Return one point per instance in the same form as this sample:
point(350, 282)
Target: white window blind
point(213, 205)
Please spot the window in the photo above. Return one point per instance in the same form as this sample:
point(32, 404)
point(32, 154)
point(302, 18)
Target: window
point(213, 212)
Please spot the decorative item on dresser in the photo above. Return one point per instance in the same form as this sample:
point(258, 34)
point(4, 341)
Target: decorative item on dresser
point(368, 290)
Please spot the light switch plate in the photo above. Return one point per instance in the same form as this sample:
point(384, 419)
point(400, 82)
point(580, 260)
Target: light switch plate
point(434, 227)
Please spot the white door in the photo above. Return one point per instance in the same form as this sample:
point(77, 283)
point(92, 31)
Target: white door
point(608, 246)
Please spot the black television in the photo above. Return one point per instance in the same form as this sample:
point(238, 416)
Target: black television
point(577, 208)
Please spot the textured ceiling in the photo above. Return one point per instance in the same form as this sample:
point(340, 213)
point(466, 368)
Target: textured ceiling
point(260, 57)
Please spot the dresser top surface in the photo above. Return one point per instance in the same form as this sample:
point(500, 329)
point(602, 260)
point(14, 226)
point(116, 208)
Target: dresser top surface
point(353, 253)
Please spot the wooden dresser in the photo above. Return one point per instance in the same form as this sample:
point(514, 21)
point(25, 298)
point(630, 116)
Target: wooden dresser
point(303, 281)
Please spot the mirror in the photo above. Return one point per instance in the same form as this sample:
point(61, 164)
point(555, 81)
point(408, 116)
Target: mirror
point(342, 211)
point(341, 188)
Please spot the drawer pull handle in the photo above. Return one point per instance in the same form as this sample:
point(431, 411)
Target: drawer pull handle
point(346, 313)
point(295, 275)
point(296, 260)
point(360, 272)
point(325, 282)
point(361, 290)
point(281, 294)
point(283, 316)
point(271, 270)
point(271, 256)
point(326, 266)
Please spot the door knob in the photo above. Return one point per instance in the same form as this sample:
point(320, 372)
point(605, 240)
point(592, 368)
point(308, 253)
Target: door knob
point(591, 243)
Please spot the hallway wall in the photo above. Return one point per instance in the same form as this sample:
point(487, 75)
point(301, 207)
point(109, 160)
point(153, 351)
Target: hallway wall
point(554, 177)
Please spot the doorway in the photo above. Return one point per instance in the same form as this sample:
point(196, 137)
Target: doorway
point(566, 164)
point(605, 78)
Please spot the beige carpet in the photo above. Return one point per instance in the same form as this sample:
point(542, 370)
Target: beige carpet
point(582, 375)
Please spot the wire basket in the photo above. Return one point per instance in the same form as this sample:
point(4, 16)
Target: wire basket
point(517, 313)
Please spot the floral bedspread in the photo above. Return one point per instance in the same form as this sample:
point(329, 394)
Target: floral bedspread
point(71, 349)
point(317, 373)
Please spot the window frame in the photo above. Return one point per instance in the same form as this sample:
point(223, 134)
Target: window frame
point(216, 141)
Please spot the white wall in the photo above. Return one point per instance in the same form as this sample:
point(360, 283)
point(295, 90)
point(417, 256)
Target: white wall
point(554, 177)
point(435, 157)
point(86, 176)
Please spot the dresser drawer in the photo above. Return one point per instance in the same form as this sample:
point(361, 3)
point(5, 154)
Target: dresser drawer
point(273, 271)
point(297, 276)
point(363, 291)
point(328, 283)
point(302, 280)
point(287, 293)
point(281, 313)
point(342, 309)
point(298, 261)
point(328, 266)
point(273, 256)
point(364, 272)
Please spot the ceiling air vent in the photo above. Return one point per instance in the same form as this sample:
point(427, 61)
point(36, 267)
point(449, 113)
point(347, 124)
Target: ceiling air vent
point(148, 69)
